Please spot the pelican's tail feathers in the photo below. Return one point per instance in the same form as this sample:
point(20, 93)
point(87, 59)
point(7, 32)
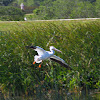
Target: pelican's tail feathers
point(36, 59)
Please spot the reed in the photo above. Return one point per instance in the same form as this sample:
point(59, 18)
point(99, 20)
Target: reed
point(78, 40)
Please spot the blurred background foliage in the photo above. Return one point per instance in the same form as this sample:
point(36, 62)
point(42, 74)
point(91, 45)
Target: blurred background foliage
point(54, 9)
point(62, 9)
point(78, 40)
point(10, 13)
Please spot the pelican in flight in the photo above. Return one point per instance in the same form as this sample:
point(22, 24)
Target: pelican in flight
point(43, 55)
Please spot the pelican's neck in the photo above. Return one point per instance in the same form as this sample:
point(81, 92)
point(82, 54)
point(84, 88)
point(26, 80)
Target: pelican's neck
point(52, 51)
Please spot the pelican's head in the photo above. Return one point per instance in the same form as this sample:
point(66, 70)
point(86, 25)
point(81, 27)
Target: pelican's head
point(53, 48)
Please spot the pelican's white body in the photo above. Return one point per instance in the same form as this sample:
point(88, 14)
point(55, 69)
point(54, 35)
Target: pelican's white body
point(42, 54)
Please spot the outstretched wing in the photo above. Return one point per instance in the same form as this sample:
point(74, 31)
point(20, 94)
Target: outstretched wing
point(39, 50)
point(59, 60)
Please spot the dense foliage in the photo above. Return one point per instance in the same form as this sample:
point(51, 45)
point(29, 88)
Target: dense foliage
point(11, 13)
point(28, 2)
point(39, 2)
point(5, 2)
point(60, 9)
point(79, 42)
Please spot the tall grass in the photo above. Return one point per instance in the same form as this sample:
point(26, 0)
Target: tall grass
point(79, 42)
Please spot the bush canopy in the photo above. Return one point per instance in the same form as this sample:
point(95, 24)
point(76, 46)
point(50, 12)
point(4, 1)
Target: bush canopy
point(11, 13)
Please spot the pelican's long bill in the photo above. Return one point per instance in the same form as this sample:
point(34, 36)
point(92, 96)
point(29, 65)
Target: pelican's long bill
point(57, 50)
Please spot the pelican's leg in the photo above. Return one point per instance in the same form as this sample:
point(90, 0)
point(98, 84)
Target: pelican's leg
point(40, 65)
point(34, 62)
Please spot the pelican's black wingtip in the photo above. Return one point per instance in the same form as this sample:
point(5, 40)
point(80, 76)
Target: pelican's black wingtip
point(33, 47)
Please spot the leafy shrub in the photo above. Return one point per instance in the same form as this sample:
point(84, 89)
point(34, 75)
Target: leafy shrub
point(62, 9)
point(11, 13)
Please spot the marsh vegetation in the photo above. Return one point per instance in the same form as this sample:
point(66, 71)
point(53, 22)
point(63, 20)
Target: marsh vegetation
point(78, 40)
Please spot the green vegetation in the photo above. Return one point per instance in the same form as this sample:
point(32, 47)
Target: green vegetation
point(78, 40)
point(61, 9)
point(11, 13)
point(5, 2)
point(58, 9)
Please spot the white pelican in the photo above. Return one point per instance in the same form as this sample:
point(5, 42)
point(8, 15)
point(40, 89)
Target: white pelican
point(43, 55)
